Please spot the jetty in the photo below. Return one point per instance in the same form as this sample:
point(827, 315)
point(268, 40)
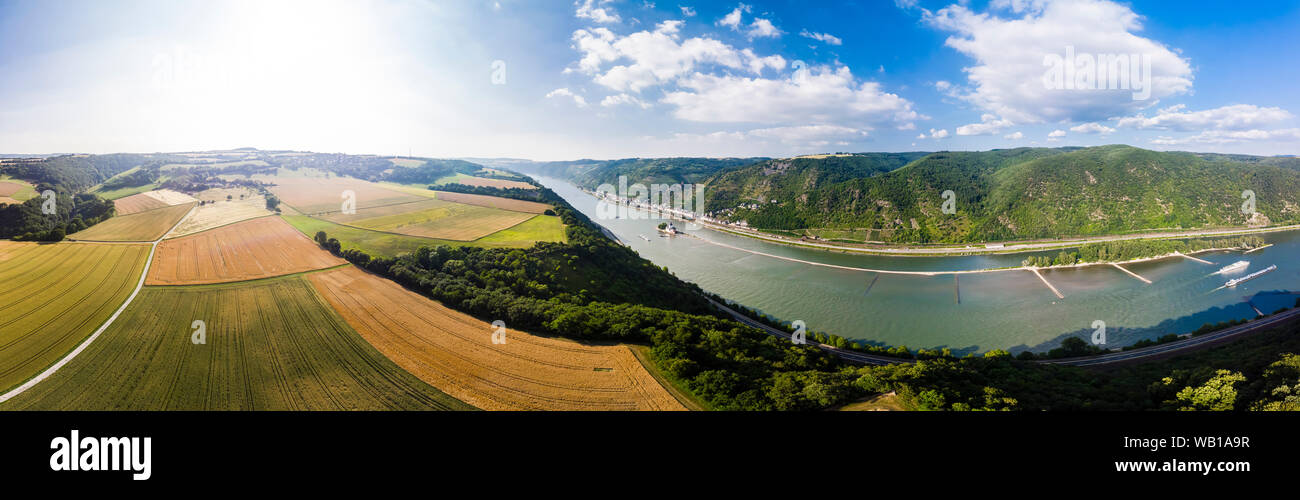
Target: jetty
point(1045, 282)
point(1203, 261)
point(1131, 273)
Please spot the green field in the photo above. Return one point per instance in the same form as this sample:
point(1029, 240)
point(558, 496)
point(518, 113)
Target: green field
point(270, 345)
point(144, 226)
point(433, 219)
point(453, 179)
point(53, 296)
point(538, 228)
point(114, 194)
point(25, 190)
point(375, 243)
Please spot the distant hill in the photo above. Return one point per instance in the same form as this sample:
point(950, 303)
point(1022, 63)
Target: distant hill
point(773, 179)
point(73, 173)
point(1012, 194)
point(592, 173)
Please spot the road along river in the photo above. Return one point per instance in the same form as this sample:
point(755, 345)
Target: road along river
point(970, 312)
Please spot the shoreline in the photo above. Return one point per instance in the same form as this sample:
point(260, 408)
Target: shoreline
point(970, 271)
point(910, 251)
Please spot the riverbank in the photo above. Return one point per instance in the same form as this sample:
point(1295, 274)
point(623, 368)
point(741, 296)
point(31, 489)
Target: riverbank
point(966, 271)
point(1002, 249)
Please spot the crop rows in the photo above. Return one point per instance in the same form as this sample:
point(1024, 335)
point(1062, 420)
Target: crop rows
point(53, 296)
point(270, 345)
point(454, 352)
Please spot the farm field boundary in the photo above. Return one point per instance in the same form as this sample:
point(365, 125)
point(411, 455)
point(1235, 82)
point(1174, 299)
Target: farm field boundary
point(455, 352)
point(252, 249)
point(147, 226)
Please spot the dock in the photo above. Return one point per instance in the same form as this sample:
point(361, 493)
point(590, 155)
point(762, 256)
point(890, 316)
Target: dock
point(1257, 248)
point(1045, 282)
point(1203, 261)
point(956, 288)
point(1131, 273)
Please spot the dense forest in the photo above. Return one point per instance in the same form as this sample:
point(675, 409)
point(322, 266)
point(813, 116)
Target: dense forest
point(73, 173)
point(1125, 250)
point(1016, 194)
point(72, 213)
point(138, 177)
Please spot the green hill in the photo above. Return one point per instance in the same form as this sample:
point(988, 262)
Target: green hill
point(1013, 194)
point(593, 173)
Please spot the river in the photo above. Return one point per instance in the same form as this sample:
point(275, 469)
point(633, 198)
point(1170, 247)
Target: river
point(1010, 310)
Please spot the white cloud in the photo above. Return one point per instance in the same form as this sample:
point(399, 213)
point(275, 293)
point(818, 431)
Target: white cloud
point(905, 4)
point(595, 11)
point(809, 135)
point(826, 38)
point(564, 92)
point(934, 134)
point(1014, 136)
point(658, 57)
point(1092, 128)
point(823, 96)
point(1056, 135)
point(762, 28)
point(670, 27)
point(1009, 52)
point(732, 19)
point(942, 85)
point(1231, 136)
point(1235, 117)
point(988, 125)
point(687, 11)
point(596, 46)
point(708, 81)
point(621, 99)
point(759, 28)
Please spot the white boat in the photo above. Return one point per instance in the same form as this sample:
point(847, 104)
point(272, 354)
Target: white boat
point(1240, 265)
point(1234, 282)
point(643, 237)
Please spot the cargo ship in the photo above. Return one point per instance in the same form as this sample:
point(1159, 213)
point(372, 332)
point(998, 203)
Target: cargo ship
point(1248, 277)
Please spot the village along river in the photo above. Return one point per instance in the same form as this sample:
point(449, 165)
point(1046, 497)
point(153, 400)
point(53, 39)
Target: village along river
point(1011, 310)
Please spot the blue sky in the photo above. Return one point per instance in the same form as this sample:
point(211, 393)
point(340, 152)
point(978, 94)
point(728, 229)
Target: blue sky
point(622, 78)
